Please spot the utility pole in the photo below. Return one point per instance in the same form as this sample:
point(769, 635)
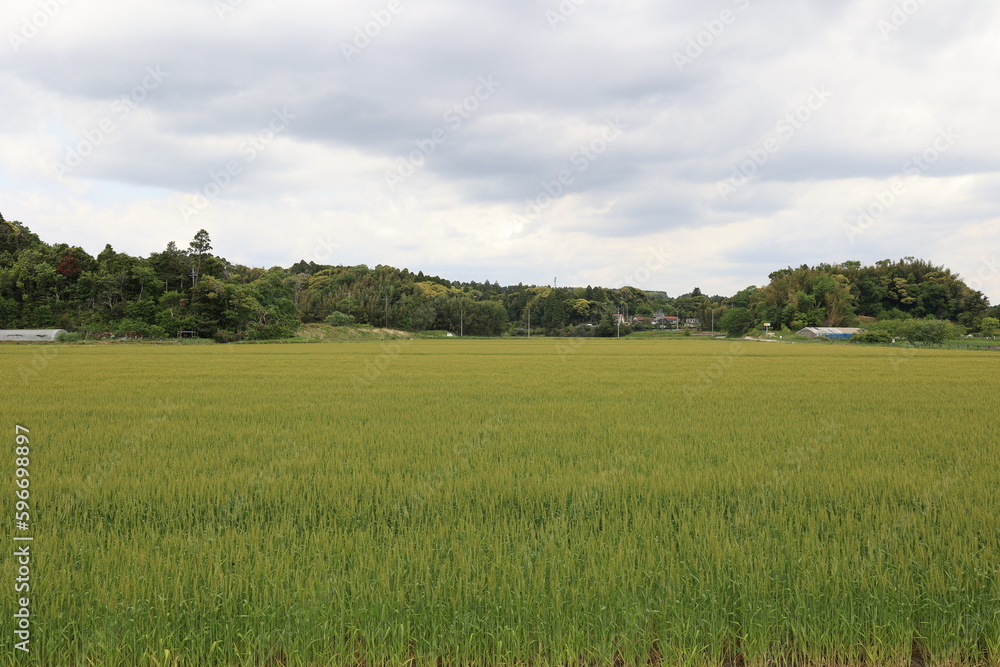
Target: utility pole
point(461, 322)
point(387, 312)
point(529, 323)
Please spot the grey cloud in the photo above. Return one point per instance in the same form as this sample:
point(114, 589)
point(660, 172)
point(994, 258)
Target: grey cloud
point(562, 76)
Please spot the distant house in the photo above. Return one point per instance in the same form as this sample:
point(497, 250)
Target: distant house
point(659, 319)
point(833, 333)
point(30, 335)
point(692, 323)
point(642, 319)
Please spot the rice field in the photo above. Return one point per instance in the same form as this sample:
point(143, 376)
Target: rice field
point(506, 502)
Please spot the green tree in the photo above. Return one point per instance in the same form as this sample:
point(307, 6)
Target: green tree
point(554, 313)
point(339, 319)
point(198, 249)
point(736, 321)
point(171, 267)
point(606, 328)
point(928, 331)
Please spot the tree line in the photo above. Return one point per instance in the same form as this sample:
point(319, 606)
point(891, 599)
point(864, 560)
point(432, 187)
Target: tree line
point(851, 294)
point(194, 290)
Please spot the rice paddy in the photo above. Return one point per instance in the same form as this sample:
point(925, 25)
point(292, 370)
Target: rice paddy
point(502, 502)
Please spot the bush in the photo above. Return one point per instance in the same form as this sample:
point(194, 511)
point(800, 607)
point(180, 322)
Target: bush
point(919, 331)
point(132, 328)
point(578, 331)
point(872, 336)
point(69, 337)
point(339, 319)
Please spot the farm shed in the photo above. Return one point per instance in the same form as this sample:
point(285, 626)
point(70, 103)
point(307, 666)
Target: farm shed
point(30, 335)
point(828, 332)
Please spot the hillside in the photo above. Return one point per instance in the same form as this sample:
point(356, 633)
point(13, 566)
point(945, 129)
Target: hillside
point(176, 290)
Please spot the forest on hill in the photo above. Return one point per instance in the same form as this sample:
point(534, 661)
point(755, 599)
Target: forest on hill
point(192, 289)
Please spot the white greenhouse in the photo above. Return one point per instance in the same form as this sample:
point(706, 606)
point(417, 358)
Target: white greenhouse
point(30, 335)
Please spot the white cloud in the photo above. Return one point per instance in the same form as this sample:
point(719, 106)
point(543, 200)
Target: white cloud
point(320, 183)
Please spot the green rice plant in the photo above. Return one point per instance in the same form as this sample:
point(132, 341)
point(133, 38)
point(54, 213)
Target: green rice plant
point(496, 502)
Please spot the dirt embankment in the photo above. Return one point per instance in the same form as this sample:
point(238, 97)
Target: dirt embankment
point(325, 332)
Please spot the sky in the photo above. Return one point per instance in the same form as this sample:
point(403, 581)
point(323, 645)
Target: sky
point(656, 143)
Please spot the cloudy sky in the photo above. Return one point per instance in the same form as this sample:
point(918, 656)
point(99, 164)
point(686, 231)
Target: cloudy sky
point(658, 143)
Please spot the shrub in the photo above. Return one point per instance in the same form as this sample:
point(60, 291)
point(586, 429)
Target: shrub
point(129, 327)
point(872, 336)
point(930, 331)
point(339, 319)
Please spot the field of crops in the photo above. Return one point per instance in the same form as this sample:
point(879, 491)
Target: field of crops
point(499, 502)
